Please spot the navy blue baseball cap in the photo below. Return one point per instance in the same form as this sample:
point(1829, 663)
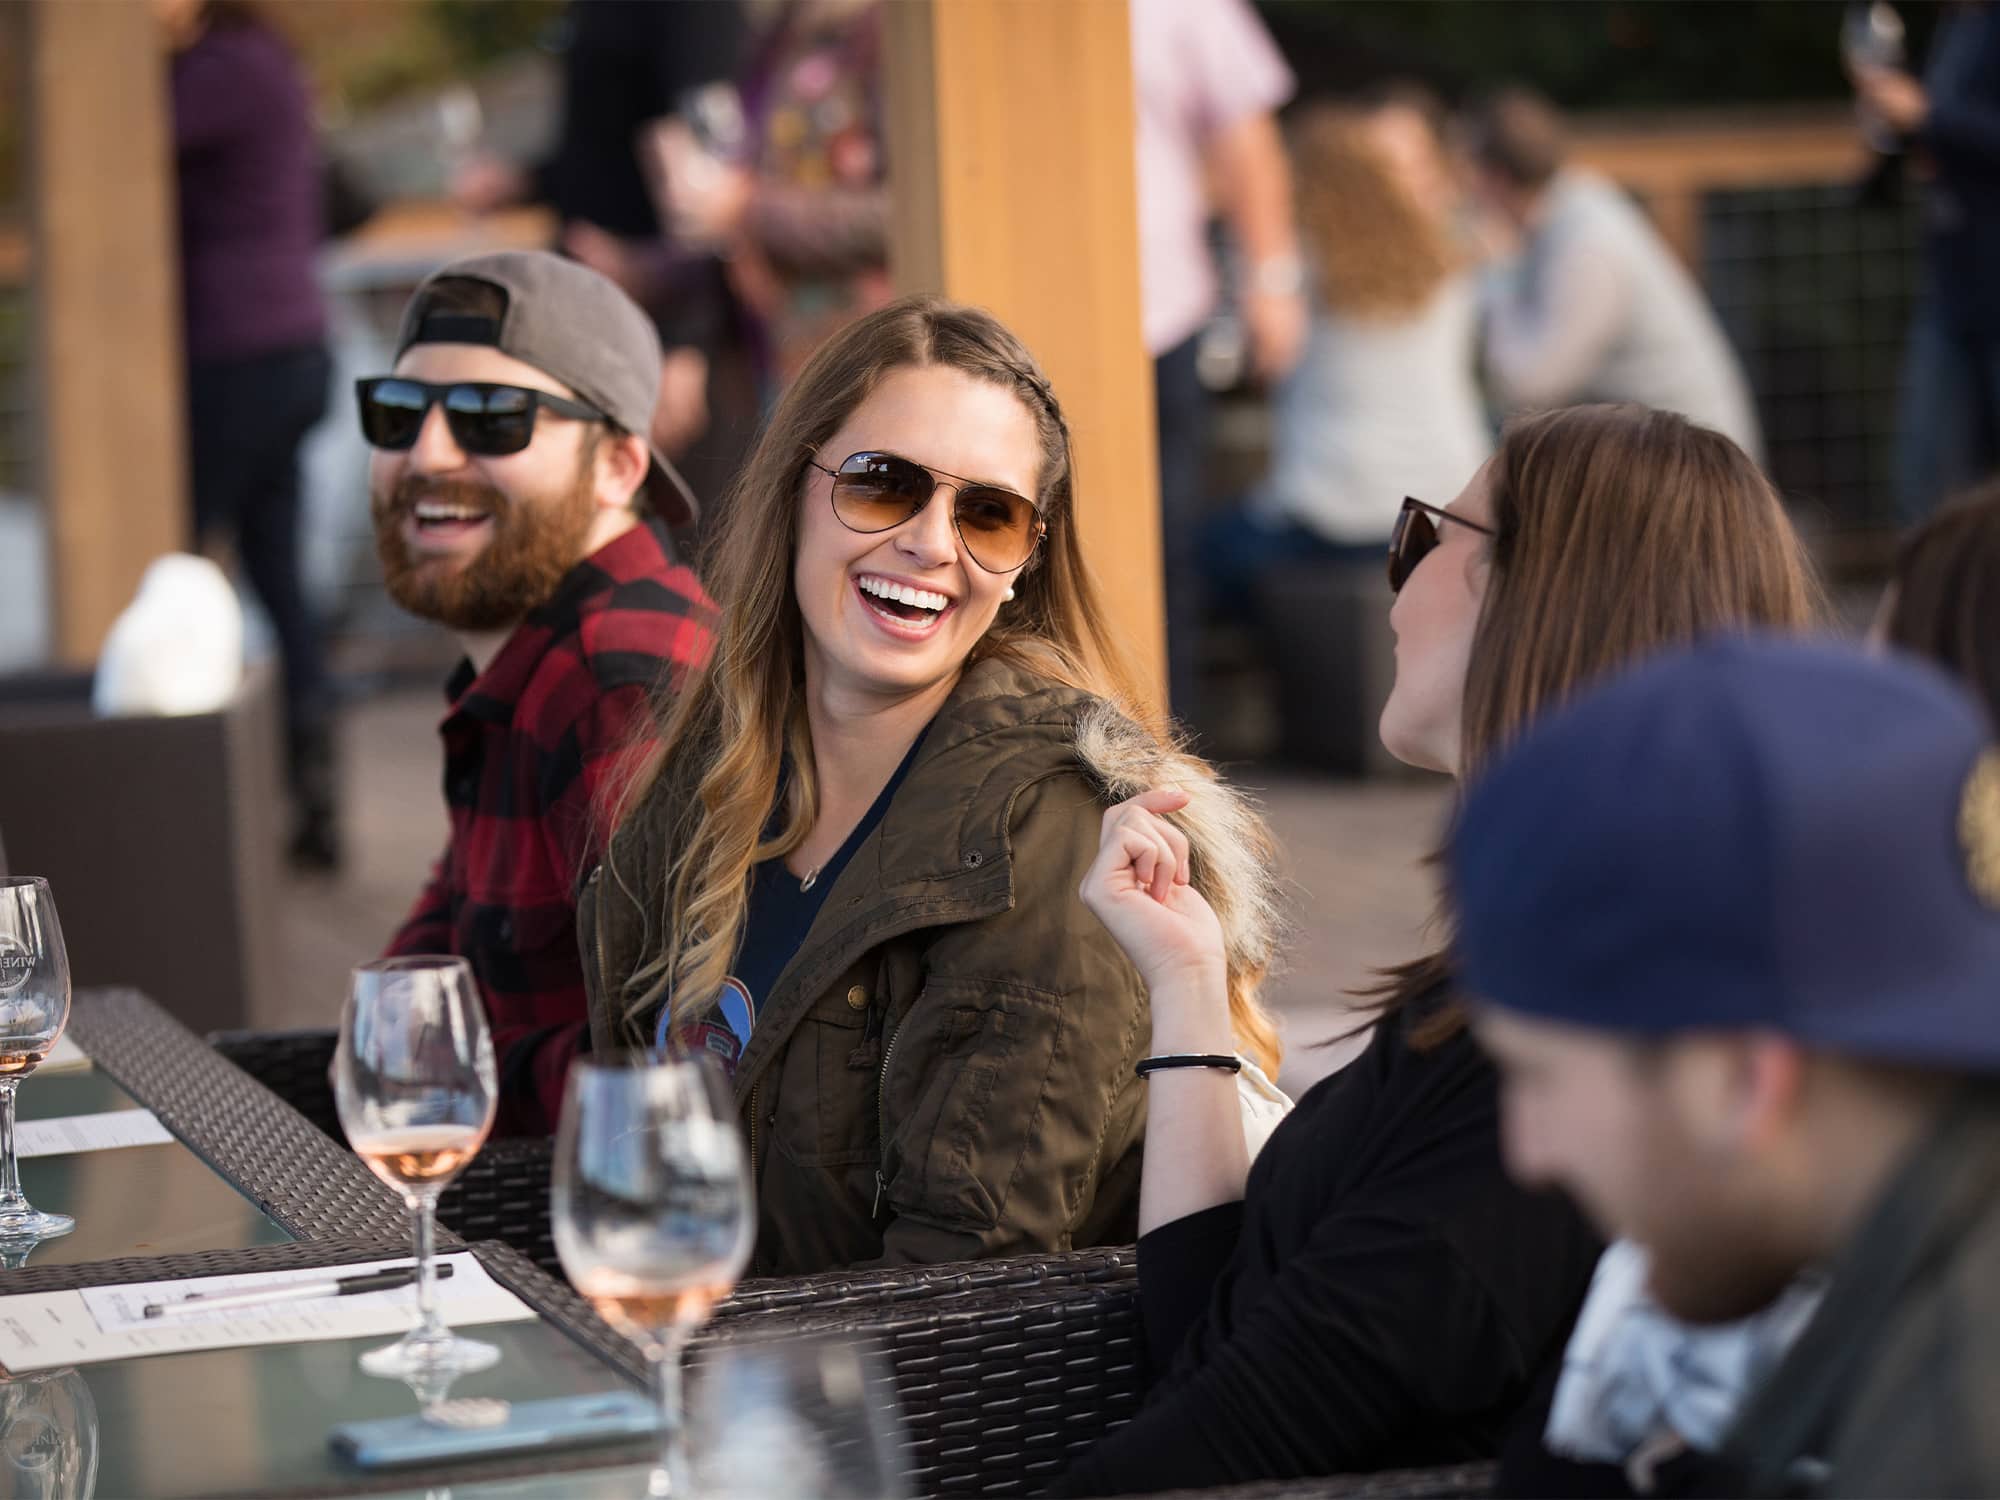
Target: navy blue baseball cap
point(1753, 833)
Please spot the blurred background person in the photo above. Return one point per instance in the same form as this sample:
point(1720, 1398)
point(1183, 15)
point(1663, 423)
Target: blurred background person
point(1207, 82)
point(251, 222)
point(1944, 599)
point(1384, 402)
point(802, 216)
point(1949, 423)
point(1588, 303)
point(630, 68)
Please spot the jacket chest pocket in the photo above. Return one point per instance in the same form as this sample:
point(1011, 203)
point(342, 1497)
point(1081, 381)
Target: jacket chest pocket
point(831, 1071)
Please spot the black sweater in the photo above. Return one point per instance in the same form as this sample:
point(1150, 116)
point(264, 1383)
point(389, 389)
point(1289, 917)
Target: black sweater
point(1382, 1297)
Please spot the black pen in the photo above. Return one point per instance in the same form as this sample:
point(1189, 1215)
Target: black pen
point(301, 1291)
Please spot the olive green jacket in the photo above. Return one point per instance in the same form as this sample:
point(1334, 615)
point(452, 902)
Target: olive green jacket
point(944, 1069)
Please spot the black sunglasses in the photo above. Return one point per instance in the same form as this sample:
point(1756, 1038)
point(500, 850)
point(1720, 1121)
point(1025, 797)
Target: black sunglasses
point(1416, 537)
point(880, 491)
point(486, 419)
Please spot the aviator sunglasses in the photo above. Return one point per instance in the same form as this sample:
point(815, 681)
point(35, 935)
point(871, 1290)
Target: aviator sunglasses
point(486, 419)
point(1416, 537)
point(880, 491)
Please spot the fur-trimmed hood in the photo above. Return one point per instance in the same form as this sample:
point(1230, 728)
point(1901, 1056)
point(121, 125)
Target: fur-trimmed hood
point(1229, 844)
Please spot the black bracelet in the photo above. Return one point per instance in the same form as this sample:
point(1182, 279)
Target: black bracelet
point(1221, 1060)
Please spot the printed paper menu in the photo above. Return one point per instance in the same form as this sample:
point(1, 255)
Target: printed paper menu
point(44, 1330)
point(100, 1132)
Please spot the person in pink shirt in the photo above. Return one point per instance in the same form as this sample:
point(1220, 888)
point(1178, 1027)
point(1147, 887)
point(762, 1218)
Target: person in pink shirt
point(1208, 81)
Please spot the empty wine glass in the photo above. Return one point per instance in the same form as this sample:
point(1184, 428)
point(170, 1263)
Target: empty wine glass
point(808, 1418)
point(48, 1437)
point(416, 1088)
point(652, 1212)
point(34, 1008)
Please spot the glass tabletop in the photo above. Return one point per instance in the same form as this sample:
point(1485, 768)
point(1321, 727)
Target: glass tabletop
point(242, 1422)
point(134, 1200)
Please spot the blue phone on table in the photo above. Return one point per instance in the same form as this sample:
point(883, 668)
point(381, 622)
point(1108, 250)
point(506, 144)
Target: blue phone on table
point(559, 1423)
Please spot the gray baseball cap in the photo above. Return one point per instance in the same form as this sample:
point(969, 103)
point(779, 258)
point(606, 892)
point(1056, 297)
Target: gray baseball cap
point(572, 324)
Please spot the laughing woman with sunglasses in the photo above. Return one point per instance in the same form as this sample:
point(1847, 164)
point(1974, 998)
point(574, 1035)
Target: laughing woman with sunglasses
point(852, 872)
point(1374, 1293)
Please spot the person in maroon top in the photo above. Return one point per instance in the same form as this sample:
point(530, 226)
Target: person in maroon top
point(515, 502)
point(249, 180)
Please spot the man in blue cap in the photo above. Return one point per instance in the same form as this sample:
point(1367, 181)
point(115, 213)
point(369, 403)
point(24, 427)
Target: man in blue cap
point(1733, 924)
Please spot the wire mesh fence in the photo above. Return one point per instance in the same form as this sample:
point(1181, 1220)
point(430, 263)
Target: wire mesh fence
point(1816, 289)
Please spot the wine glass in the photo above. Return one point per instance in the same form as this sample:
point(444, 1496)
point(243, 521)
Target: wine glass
point(652, 1211)
point(34, 1008)
point(48, 1437)
point(808, 1418)
point(416, 1088)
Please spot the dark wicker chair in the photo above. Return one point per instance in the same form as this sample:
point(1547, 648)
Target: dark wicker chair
point(1002, 1388)
point(502, 1195)
point(291, 1064)
point(1452, 1482)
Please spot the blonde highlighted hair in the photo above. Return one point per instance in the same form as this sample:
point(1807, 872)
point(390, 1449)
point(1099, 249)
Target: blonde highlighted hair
point(739, 727)
point(1378, 251)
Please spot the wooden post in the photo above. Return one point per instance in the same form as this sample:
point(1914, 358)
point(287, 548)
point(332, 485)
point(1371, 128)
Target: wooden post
point(105, 273)
point(1011, 162)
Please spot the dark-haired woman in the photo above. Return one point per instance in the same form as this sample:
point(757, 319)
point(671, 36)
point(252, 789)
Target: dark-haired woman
point(1375, 1292)
point(251, 222)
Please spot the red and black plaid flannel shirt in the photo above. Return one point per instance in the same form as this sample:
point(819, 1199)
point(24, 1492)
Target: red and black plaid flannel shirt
point(533, 747)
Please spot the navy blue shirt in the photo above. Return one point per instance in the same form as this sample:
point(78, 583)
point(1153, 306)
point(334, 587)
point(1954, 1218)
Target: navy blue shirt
point(1962, 131)
point(781, 912)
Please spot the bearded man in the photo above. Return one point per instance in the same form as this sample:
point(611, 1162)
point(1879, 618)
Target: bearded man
point(516, 503)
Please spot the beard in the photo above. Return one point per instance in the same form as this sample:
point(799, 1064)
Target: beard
point(533, 544)
point(1703, 1287)
point(1719, 1251)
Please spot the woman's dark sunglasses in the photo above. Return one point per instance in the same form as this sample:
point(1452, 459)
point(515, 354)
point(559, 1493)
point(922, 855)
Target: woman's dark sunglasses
point(1416, 537)
point(486, 419)
point(880, 491)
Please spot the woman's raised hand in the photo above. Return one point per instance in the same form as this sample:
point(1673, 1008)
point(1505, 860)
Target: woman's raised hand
point(1139, 888)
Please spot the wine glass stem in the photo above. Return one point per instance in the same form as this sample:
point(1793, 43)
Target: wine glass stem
point(11, 1200)
point(673, 1428)
point(423, 1228)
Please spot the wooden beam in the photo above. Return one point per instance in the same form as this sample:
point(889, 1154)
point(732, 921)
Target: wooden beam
point(1012, 157)
point(107, 307)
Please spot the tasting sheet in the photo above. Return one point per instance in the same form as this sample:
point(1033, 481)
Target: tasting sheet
point(101, 1132)
point(44, 1330)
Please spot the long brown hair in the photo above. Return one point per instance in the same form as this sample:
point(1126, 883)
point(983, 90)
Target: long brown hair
point(1947, 593)
point(1377, 251)
point(707, 793)
point(1618, 531)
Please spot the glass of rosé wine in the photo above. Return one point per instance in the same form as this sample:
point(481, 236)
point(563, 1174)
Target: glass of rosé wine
point(652, 1211)
point(416, 1088)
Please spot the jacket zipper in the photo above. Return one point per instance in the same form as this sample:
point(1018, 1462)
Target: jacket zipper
point(882, 1124)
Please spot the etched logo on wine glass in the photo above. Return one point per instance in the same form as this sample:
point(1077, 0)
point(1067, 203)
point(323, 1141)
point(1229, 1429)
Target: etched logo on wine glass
point(17, 962)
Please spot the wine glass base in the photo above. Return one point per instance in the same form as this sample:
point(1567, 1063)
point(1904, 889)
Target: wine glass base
point(33, 1224)
point(417, 1358)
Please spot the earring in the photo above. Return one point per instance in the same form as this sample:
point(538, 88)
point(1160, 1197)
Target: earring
point(1009, 594)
